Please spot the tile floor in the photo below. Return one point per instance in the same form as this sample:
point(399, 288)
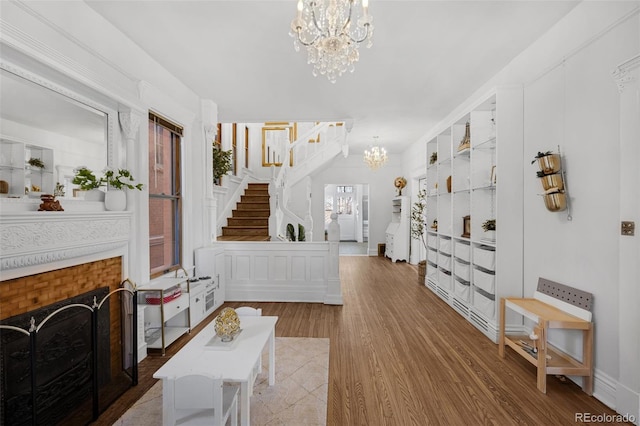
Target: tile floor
point(298, 397)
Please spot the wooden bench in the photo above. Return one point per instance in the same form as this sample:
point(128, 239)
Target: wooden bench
point(558, 306)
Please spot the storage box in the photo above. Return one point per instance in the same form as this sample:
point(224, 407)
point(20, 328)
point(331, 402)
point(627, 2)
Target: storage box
point(444, 261)
point(462, 251)
point(432, 273)
point(485, 257)
point(432, 256)
point(432, 241)
point(445, 245)
point(462, 270)
point(461, 290)
point(444, 279)
point(485, 281)
point(484, 305)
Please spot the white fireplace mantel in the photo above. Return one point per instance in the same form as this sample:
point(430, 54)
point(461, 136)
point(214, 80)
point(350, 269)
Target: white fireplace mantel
point(35, 242)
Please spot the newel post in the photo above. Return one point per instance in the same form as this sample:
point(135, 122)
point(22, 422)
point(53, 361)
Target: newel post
point(334, 288)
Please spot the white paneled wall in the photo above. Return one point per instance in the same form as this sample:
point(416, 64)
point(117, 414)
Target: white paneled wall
point(279, 271)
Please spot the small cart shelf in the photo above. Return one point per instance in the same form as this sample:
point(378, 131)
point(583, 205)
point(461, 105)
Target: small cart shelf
point(166, 312)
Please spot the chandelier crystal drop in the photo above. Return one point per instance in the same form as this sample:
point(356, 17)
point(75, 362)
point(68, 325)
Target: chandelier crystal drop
point(332, 30)
point(375, 157)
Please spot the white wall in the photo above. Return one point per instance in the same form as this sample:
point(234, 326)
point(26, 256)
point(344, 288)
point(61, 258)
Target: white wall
point(353, 170)
point(575, 106)
point(571, 100)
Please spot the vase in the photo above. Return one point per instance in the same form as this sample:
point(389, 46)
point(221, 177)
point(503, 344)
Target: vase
point(489, 236)
point(115, 200)
point(94, 195)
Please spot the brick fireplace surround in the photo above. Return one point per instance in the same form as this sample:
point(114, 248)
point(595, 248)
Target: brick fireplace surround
point(21, 295)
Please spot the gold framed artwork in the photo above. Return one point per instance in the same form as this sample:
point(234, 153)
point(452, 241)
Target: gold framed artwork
point(317, 138)
point(275, 137)
point(466, 227)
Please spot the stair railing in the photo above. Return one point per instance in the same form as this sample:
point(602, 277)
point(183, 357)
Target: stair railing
point(325, 136)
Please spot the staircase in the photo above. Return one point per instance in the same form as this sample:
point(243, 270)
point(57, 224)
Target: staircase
point(250, 219)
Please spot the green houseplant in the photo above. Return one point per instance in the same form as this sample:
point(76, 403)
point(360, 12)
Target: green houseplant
point(36, 162)
point(120, 179)
point(418, 228)
point(221, 164)
point(489, 227)
point(85, 179)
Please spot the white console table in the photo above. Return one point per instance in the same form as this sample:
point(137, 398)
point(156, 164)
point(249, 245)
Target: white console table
point(234, 363)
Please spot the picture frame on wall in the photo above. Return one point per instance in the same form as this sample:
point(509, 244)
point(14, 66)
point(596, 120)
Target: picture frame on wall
point(275, 137)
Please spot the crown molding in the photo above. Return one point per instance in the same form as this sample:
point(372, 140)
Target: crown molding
point(623, 73)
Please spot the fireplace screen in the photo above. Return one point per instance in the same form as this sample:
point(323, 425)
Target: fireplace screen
point(61, 356)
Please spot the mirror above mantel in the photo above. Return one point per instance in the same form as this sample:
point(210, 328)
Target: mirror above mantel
point(45, 118)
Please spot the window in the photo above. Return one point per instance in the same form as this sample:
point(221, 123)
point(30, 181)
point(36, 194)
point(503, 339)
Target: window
point(165, 227)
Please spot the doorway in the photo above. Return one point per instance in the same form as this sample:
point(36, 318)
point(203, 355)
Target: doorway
point(351, 203)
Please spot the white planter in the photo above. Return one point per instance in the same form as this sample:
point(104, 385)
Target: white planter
point(115, 200)
point(94, 195)
point(489, 236)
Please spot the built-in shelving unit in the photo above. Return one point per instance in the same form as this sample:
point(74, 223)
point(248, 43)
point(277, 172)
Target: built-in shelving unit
point(21, 177)
point(398, 231)
point(466, 267)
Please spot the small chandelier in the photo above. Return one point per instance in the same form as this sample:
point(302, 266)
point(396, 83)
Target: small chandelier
point(375, 157)
point(331, 30)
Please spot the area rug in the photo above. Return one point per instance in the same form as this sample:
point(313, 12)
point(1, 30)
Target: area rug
point(299, 395)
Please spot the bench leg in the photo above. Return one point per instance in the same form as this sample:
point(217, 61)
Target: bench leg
point(587, 359)
point(541, 331)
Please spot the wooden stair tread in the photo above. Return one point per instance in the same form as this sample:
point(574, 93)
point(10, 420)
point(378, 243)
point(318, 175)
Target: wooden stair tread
point(244, 238)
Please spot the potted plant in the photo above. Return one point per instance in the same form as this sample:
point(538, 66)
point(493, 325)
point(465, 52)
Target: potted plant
point(418, 228)
point(36, 162)
point(489, 227)
point(548, 162)
point(87, 181)
point(221, 164)
point(122, 179)
point(117, 181)
point(434, 157)
point(552, 181)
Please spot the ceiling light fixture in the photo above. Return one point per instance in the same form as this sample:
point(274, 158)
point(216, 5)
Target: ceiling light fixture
point(376, 156)
point(331, 30)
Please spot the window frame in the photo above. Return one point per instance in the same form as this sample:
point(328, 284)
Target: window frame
point(176, 132)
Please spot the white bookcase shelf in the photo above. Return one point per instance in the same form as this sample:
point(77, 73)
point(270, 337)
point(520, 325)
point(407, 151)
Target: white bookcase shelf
point(398, 231)
point(465, 268)
point(21, 177)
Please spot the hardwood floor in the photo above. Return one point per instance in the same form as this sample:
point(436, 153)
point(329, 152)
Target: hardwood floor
point(401, 356)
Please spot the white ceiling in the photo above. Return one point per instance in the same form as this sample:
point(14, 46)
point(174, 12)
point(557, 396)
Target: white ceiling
point(427, 57)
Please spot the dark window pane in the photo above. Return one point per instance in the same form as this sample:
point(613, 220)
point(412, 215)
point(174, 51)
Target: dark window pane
point(162, 234)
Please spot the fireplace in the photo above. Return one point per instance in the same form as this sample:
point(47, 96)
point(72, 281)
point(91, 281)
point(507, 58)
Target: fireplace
point(69, 390)
point(64, 351)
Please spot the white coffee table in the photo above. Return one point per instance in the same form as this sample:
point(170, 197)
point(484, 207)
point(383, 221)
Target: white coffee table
point(235, 364)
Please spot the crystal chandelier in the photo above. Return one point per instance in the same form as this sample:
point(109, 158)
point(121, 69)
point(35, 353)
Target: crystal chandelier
point(331, 30)
point(375, 157)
